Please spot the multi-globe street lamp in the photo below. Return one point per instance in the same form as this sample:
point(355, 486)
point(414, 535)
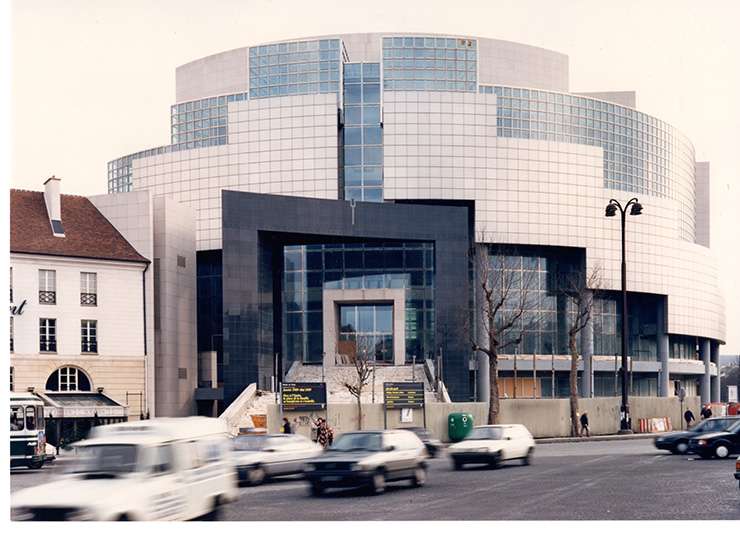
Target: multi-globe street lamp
point(611, 210)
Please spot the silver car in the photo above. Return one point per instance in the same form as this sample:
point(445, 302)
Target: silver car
point(369, 459)
point(259, 457)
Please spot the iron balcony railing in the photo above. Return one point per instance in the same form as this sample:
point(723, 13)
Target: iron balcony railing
point(89, 346)
point(48, 344)
point(90, 300)
point(47, 298)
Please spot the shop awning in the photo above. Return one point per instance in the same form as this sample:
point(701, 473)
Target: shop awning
point(81, 405)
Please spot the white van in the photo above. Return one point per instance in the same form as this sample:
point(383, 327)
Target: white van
point(161, 469)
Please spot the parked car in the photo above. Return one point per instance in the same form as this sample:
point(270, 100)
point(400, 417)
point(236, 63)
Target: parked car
point(492, 444)
point(719, 444)
point(737, 471)
point(258, 457)
point(160, 469)
point(678, 443)
point(370, 459)
point(433, 445)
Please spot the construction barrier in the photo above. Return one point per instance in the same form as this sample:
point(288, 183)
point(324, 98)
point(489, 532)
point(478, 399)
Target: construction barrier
point(654, 425)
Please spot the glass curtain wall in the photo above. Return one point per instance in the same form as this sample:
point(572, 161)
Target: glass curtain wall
point(362, 133)
point(308, 269)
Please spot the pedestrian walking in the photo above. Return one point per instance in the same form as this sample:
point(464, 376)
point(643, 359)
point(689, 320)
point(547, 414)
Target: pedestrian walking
point(706, 412)
point(287, 429)
point(688, 416)
point(584, 425)
point(324, 433)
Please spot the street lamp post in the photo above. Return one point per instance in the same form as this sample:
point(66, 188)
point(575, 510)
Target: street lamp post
point(611, 210)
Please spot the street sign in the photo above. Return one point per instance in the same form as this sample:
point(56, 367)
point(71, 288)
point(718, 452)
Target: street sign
point(303, 397)
point(732, 393)
point(403, 395)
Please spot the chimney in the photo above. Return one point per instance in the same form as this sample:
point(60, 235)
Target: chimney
point(53, 205)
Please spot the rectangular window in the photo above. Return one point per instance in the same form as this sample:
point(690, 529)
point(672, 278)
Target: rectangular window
point(47, 287)
point(89, 334)
point(89, 289)
point(48, 335)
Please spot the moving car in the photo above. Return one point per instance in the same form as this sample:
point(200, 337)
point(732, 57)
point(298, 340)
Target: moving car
point(678, 443)
point(433, 445)
point(492, 444)
point(161, 469)
point(258, 457)
point(369, 459)
point(719, 444)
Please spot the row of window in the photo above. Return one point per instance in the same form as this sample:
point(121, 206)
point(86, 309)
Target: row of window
point(48, 288)
point(48, 336)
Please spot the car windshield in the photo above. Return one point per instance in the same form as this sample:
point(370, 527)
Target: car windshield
point(715, 425)
point(250, 443)
point(112, 459)
point(358, 441)
point(485, 433)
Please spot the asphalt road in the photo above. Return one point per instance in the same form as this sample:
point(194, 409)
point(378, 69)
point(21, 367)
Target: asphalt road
point(567, 481)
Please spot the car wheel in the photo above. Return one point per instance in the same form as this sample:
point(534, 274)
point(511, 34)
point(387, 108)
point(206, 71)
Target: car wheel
point(682, 447)
point(256, 476)
point(527, 460)
point(377, 482)
point(420, 476)
point(495, 461)
point(457, 465)
point(36, 464)
point(317, 489)
point(722, 451)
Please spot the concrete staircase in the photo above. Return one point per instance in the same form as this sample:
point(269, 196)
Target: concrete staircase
point(373, 392)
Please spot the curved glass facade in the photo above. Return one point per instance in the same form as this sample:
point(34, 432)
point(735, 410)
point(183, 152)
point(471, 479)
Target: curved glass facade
point(295, 68)
point(430, 63)
point(309, 269)
point(641, 153)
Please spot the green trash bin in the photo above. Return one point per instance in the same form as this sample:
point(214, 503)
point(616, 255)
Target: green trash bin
point(459, 424)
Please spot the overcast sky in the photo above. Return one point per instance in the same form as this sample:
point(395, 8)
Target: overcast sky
point(92, 80)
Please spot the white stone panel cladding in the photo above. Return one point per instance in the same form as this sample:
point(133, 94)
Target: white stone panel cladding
point(442, 145)
point(280, 145)
point(176, 371)
point(218, 74)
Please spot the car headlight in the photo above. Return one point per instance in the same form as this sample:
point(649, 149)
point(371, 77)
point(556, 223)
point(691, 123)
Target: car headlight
point(702, 442)
point(20, 513)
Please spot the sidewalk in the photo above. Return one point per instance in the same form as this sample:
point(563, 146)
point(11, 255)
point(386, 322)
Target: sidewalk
point(597, 438)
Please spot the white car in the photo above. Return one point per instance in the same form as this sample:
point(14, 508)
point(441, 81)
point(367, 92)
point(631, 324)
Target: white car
point(492, 444)
point(258, 457)
point(160, 469)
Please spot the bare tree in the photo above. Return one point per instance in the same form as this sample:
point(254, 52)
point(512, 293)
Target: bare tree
point(356, 376)
point(502, 298)
point(580, 291)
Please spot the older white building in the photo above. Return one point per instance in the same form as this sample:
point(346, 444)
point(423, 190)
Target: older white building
point(88, 310)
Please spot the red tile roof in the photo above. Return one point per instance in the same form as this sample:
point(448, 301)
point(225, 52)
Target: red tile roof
point(88, 234)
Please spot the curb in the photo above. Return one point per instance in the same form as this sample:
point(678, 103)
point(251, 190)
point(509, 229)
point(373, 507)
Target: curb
point(597, 438)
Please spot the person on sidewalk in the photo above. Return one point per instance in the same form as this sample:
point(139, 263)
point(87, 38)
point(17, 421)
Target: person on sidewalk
point(688, 415)
point(287, 429)
point(584, 425)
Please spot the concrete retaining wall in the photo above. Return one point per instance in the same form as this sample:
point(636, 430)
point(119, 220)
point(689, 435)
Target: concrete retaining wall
point(543, 417)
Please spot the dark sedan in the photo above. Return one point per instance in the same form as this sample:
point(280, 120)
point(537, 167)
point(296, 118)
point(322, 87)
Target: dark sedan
point(433, 445)
point(678, 443)
point(721, 444)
